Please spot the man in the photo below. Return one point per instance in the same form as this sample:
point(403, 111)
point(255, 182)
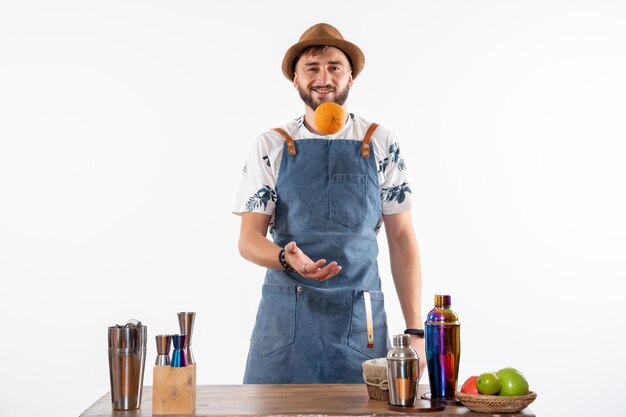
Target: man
point(323, 199)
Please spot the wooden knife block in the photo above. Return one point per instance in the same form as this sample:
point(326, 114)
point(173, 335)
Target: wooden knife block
point(174, 390)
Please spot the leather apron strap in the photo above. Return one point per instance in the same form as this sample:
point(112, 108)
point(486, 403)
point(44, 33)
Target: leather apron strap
point(365, 144)
point(369, 319)
point(291, 145)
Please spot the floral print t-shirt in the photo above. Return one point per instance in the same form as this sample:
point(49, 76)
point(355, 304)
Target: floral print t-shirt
point(257, 189)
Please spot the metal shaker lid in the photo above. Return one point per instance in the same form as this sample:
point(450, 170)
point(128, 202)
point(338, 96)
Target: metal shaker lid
point(442, 314)
point(402, 349)
point(443, 301)
point(401, 340)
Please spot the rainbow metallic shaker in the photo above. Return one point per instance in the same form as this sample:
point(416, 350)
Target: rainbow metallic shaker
point(443, 348)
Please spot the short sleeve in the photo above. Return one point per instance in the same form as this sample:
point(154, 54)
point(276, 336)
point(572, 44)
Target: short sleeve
point(395, 190)
point(257, 188)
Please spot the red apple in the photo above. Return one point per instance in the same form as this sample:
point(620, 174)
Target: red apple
point(469, 386)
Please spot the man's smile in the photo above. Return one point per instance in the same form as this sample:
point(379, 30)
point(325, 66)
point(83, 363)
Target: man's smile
point(323, 89)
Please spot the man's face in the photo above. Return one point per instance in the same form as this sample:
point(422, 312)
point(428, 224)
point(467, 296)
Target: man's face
point(323, 77)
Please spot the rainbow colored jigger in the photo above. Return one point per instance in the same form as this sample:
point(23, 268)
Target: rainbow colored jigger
point(443, 348)
point(179, 356)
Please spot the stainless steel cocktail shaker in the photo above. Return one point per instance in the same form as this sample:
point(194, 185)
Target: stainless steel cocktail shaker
point(402, 372)
point(127, 358)
point(443, 348)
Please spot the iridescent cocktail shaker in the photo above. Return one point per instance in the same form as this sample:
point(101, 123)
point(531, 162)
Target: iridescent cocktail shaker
point(443, 348)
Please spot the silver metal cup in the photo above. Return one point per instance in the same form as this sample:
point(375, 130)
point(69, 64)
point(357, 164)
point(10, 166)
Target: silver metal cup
point(185, 321)
point(164, 343)
point(127, 359)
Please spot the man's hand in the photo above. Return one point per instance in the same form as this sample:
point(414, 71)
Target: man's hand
point(317, 270)
point(418, 344)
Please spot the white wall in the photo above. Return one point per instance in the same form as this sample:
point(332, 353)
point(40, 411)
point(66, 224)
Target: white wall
point(123, 130)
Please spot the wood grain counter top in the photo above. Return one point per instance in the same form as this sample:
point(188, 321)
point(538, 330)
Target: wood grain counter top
point(283, 400)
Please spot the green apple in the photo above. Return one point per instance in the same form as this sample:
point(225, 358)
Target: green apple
point(488, 383)
point(512, 382)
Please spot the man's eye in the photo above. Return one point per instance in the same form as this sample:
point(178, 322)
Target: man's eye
point(310, 69)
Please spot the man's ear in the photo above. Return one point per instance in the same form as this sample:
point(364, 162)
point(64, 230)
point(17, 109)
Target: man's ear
point(296, 82)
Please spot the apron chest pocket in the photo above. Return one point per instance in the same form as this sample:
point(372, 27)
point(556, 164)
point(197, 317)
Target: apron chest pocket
point(347, 198)
point(276, 319)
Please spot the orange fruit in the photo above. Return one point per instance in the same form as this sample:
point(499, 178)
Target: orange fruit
point(329, 118)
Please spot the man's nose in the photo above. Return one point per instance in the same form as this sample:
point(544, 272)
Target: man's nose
point(324, 77)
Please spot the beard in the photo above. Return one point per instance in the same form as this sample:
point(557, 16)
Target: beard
point(340, 96)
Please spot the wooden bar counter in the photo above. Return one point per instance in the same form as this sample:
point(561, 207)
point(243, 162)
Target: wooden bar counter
point(283, 400)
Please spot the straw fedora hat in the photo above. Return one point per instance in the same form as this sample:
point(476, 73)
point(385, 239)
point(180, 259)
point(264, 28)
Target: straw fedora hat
point(323, 34)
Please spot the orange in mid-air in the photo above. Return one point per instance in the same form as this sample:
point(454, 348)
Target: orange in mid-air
point(329, 118)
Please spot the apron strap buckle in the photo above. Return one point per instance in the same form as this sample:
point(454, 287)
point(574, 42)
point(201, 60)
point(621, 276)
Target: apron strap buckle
point(365, 145)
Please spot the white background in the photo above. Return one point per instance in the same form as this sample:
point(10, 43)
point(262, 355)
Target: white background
point(123, 130)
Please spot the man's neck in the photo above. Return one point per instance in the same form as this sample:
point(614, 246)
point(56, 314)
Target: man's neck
point(308, 121)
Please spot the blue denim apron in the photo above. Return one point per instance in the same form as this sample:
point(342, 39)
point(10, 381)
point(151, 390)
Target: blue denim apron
point(308, 331)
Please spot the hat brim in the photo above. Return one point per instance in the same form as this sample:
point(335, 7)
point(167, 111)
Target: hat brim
point(354, 53)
